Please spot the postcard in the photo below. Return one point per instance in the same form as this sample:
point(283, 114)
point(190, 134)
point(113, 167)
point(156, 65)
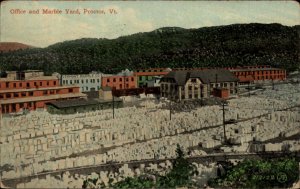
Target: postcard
point(149, 94)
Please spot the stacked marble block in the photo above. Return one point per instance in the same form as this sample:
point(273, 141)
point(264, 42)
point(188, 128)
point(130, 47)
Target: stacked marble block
point(90, 131)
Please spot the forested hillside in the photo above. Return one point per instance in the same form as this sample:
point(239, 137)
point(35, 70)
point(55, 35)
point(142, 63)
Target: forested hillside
point(220, 46)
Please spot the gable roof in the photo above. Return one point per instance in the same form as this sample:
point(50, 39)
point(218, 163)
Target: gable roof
point(214, 76)
point(206, 76)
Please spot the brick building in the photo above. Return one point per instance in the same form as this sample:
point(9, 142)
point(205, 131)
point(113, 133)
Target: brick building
point(31, 89)
point(119, 82)
point(183, 85)
point(251, 74)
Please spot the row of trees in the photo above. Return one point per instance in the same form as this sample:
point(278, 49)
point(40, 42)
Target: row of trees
point(222, 46)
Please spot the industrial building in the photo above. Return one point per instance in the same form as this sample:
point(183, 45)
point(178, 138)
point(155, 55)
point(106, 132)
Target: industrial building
point(184, 85)
point(29, 90)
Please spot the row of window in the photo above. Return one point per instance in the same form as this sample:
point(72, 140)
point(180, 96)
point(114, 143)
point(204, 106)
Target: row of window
point(92, 88)
point(28, 84)
point(29, 93)
point(82, 81)
point(268, 77)
point(259, 72)
point(150, 70)
point(120, 79)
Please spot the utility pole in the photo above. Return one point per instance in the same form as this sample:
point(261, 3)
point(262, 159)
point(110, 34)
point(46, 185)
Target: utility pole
point(224, 122)
point(170, 110)
point(0, 144)
point(249, 89)
point(113, 98)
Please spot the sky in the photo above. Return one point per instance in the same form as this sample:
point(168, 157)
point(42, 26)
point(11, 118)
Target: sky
point(128, 17)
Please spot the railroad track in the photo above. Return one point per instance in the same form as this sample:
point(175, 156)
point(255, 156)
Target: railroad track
point(204, 159)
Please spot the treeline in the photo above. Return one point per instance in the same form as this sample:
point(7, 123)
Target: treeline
point(221, 46)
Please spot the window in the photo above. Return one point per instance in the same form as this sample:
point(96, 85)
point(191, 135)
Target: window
point(1, 96)
point(127, 86)
point(45, 92)
point(107, 80)
point(7, 84)
point(16, 95)
point(54, 82)
point(120, 86)
point(225, 84)
point(77, 82)
point(190, 87)
point(98, 80)
point(120, 79)
point(47, 83)
point(87, 88)
point(51, 91)
point(126, 79)
point(15, 85)
point(71, 81)
point(231, 84)
point(86, 80)
point(41, 83)
point(114, 80)
point(23, 94)
point(8, 95)
point(193, 80)
point(27, 84)
point(31, 93)
point(93, 80)
point(20, 84)
point(70, 90)
point(82, 81)
point(190, 96)
point(140, 78)
point(132, 79)
point(67, 82)
point(35, 84)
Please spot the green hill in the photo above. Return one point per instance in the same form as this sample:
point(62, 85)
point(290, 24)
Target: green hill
point(219, 46)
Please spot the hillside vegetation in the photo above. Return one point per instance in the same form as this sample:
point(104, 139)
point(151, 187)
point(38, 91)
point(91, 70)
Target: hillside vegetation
point(220, 46)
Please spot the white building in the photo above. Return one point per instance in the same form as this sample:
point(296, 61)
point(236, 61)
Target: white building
point(86, 82)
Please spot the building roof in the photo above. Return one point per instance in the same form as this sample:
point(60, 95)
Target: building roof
point(31, 78)
point(206, 76)
point(254, 69)
point(41, 78)
point(41, 98)
point(73, 103)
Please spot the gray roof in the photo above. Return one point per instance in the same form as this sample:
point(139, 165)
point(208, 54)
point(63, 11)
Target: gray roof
point(73, 103)
point(206, 76)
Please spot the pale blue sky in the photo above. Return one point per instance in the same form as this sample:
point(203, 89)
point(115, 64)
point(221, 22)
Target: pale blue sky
point(133, 16)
